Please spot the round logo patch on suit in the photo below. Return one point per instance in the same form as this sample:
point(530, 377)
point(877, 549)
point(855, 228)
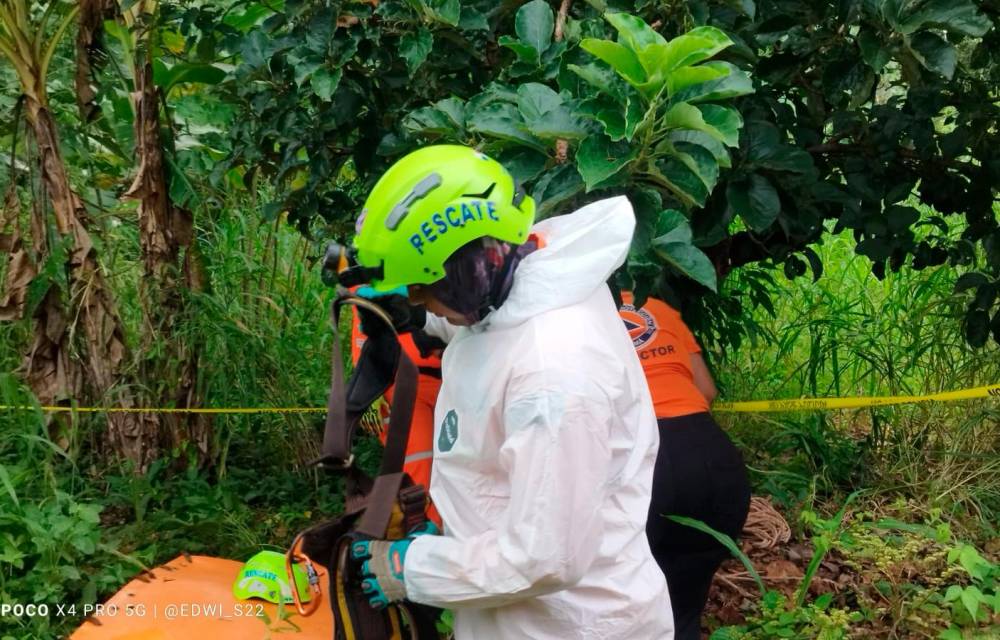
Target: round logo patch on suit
point(449, 431)
point(639, 323)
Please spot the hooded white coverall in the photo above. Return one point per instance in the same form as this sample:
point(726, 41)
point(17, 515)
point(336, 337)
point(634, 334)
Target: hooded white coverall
point(545, 440)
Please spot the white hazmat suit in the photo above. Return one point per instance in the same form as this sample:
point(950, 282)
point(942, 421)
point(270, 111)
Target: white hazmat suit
point(545, 440)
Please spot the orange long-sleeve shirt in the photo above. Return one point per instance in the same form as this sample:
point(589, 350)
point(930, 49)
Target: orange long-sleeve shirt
point(664, 345)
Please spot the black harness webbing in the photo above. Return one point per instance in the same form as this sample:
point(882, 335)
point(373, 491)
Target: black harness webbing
point(385, 508)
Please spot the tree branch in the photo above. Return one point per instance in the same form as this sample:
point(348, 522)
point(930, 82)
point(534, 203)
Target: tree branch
point(561, 20)
point(562, 145)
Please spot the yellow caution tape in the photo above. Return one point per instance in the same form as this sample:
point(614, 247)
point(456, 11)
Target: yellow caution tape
point(54, 409)
point(754, 406)
point(813, 404)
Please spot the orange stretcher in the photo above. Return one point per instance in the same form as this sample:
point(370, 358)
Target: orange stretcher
point(190, 598)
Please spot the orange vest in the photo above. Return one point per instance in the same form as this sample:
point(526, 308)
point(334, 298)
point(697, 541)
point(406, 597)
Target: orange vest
point(664, 345)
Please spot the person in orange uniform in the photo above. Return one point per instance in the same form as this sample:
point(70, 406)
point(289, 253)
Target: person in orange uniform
point(699, 473)
point(425, 351)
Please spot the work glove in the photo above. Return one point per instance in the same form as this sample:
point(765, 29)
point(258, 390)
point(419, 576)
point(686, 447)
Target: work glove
point(405, 317)
point(382, 565)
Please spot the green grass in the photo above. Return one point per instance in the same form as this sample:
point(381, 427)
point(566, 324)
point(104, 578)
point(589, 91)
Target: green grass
point(850, 334)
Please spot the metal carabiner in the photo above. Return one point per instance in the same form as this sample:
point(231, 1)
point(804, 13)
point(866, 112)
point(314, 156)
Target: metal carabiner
point(296, 556)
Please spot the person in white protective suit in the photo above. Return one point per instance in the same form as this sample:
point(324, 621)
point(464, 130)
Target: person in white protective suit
point(545, 435)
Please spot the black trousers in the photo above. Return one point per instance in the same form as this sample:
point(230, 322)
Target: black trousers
point(699, 474)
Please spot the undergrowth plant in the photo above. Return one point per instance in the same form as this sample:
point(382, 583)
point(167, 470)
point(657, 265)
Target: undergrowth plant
point(777, 615)
point(909, 577)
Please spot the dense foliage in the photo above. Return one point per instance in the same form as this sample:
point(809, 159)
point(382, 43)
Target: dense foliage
point(857, 111)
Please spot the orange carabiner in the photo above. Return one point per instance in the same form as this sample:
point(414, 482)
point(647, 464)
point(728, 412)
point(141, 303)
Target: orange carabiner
point(296, 556)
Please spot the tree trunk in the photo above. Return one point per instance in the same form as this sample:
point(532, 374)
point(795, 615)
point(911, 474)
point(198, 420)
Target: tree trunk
point(88, 311)
point(90, 26)
point(164, 231)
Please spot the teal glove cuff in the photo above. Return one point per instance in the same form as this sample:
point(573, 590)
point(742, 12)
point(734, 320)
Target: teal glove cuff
point(384, 561)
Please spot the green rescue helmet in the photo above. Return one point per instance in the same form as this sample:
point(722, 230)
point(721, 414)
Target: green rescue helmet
point(264, 576)
point(429, 204)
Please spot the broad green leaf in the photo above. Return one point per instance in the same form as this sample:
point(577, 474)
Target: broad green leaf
point(700, 161)
point(755, 200)
point(875, 55)
point(672, 226)
point(633, 31)
point(473, 20)
point(242, 18)
point(534, 24)
point(555, 187)
point(973, 563)
point(84, 544)
point(304, 67)
point(698, 45)
point(766, 149)
point(689, 260)
point(687, 185)
point(749, 7)
point(724, 125)
point(524, 164)
point(186, 72)
point(503, 121)
point(415, 46)
point(560, 124)
point(608, 113)
point(429, 121)
point(255, 49)
point(598, 76)
point(971, 597)
point(324, 82)
point(686, 77)
point(320, 31)
point(736, 83)
point(454, 108)
point(712, 143)
point(789, 158)
point(934, 52)
point(446, 11)
point(959, 16)
point(534, 100)
point(545, 114)
point(525, 52)
point(599, 158)
point(726, 120)
point(619, 57)
point(494, 93)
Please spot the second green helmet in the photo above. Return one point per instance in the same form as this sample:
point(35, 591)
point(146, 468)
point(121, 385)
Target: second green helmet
point(429, 204)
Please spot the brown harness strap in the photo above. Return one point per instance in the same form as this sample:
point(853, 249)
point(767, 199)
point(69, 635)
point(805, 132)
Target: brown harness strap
point(340, 423)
